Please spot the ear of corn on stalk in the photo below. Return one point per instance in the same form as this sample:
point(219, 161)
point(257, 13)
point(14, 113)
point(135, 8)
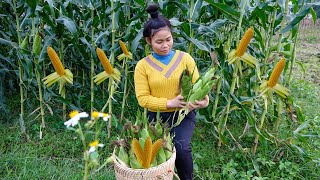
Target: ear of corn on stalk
point(24, 43)
point(109, 71)
point(126, 53)
point(56, 62)
point(242, 47)
point(104, 61)
point(276, 72)
point(123, 48)
point(61, 75)
point(36, 44)
point(267, 87)
point(236, 56)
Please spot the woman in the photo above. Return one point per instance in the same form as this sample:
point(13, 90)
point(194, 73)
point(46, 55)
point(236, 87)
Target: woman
point(156, 81)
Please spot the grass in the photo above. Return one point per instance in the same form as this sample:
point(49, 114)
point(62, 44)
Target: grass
point(59, 156)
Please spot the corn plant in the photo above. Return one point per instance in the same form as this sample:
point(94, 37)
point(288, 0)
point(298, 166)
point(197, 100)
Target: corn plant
point(125, 56)
point(76, 28)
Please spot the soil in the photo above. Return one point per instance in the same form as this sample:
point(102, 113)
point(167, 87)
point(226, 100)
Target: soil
point(309, 56)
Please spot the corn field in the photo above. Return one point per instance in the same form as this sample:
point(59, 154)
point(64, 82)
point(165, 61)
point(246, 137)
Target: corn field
point(249, 93)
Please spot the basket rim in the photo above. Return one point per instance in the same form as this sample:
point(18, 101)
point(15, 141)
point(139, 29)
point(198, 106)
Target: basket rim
point(120, 164)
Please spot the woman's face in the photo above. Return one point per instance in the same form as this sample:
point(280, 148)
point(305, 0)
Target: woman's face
point(161, 41)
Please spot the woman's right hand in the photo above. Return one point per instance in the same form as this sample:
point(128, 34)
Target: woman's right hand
point(177, 102)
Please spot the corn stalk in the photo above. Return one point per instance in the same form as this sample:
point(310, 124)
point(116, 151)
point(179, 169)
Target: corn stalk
point(223, 123)
point(293, 55)
point(111, 85)
point(190, 21)
point(283, 22)
point(63, 92)
point(268, 44)
point(256, 140)
point(21, 120)
point(36, 51)
point(125, 88)
point(92, 64)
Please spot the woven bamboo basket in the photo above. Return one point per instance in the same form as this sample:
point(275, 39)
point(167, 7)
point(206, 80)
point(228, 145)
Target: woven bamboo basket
point(162, 171)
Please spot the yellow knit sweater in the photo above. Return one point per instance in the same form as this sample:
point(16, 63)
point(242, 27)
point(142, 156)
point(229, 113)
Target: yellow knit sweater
point(155, 83)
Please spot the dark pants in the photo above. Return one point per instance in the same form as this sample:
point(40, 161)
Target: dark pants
point(182, 140)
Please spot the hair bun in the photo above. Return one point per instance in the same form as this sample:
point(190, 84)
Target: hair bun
point(153, 10)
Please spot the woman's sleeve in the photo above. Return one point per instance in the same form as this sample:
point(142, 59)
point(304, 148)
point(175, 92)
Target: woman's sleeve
point(143, 94)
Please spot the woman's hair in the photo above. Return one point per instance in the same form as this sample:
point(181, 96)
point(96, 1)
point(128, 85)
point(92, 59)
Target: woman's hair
point(155, 23)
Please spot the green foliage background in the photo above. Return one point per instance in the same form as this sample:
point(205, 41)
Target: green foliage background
point(75, 28)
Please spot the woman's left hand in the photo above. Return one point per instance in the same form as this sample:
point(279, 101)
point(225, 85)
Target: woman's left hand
point(199, 104)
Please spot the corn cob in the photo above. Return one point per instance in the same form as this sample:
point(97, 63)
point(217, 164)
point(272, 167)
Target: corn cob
point(56, 62)
point(159, 129)
point(36, 44)
point(161, 156)
point(202, 86)
point(242, 47)
point(104, 61)
point(144, 133)
point(123, 155)
point(185, 83)
point(155, 149)
point(123, 48)
point(202, 92)
point(168, 146)
point(276, 73)
point(154, 162)
point(24, 43)
point(138, 150)
point(151, 131)
point(134, 163)
point(147, 153)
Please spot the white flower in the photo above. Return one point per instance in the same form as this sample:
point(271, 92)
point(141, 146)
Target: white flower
point(96, 115)
point(75, 117)
point(93, 145)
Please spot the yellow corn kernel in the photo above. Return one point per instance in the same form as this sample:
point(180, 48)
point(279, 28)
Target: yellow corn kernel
point(155, 149)
point(147, 153)
point(55, 60)
point(242, 47)
point(276, 72)
point(123, 48)
point(138, 150)
point(104, 61)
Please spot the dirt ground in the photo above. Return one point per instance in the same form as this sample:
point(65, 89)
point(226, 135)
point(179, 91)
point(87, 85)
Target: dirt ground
point(308, 56)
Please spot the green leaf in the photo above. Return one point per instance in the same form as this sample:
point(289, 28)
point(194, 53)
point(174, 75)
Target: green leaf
point(84, 41)
point(198, 43)
point(8, 43)
point(225, 9)
point(297, 19)
point(314, 15)
point(175, 21)
point(136, 41)
point(51, 5)
point(140, 2)
point(69, 24)
point(196, 10)
point(32, 4)
point(43, 52)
